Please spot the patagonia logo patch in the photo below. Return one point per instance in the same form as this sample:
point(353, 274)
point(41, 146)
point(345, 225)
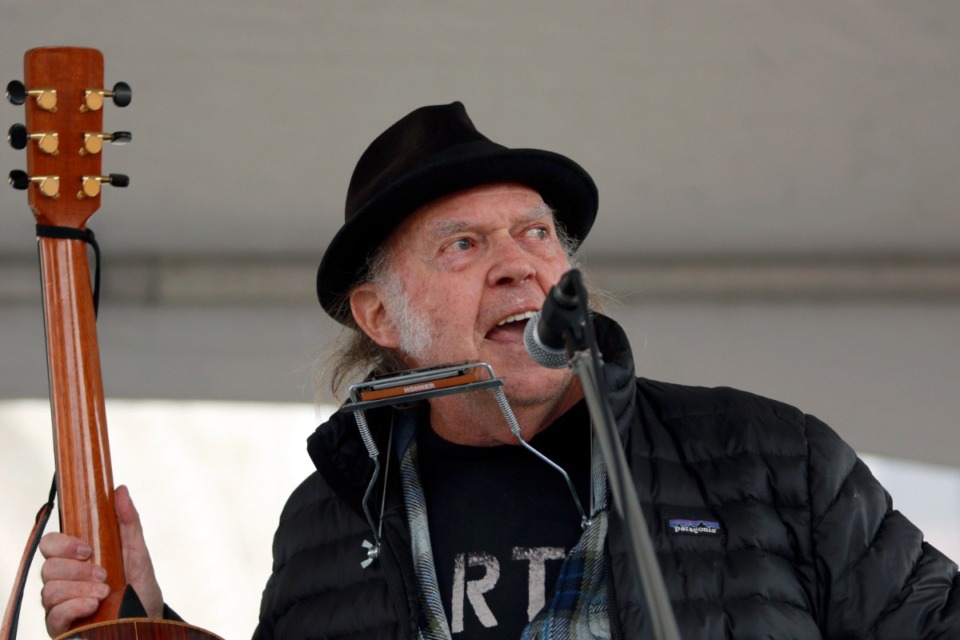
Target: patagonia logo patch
point(683, 526)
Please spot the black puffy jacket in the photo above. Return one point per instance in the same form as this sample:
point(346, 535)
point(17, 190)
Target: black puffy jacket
point(808, 546)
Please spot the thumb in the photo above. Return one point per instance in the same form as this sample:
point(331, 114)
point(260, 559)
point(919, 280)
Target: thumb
point(137, 564)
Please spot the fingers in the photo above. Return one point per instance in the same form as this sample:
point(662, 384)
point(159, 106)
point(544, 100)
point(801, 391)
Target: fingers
point(137, 565)
point(61, 617)
point(72, 585)
point(66, 569)
point(126, 512)
point(60, 545)
point(67, 601)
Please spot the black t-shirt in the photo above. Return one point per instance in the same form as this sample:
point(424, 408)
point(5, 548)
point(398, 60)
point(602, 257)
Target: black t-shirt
point(501, 522)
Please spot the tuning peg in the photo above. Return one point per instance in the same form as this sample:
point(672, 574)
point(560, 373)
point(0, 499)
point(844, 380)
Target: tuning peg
point(48, 141)
point(48, 185)
point(17, 136)
point(93, 98)
point(91, 184)
point(19, 179)
point(17, 94)
point(93, 142)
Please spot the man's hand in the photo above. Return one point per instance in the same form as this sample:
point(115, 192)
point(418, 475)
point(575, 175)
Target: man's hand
point(73, 586)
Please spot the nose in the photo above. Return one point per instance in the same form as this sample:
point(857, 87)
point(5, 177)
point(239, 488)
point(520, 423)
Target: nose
point(511, 265)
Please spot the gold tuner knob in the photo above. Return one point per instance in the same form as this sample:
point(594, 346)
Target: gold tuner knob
point(48, 141)
point(93, 98)
point(48, 185)
point(91, 184)
point(46, 98)
point(93, 142)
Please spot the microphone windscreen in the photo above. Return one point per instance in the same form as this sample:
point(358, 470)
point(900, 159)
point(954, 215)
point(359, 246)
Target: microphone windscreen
point(540, 355)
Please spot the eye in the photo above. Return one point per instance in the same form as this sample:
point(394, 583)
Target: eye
point(460, 244)
point(538, 233)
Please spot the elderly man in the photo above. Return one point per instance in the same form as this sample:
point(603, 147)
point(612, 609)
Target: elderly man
point(765, 524)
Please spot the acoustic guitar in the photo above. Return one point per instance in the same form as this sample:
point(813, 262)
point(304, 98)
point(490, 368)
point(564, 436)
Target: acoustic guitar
point(64, 96)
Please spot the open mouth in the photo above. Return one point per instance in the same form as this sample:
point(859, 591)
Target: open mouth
point(511, 328)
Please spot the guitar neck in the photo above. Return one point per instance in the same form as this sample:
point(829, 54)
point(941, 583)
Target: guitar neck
point(84, 474)
point(62, 87)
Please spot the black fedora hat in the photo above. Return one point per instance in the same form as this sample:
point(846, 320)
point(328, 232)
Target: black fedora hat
point(432, 152)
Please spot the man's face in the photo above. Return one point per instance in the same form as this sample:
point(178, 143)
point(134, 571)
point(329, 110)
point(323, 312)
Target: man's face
point(465, 272)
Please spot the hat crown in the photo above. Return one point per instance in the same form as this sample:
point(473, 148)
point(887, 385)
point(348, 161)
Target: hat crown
point(412, 144)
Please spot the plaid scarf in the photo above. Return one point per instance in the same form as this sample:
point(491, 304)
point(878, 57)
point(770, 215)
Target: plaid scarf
point(578, 609)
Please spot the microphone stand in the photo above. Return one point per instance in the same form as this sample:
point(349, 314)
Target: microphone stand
point(585, 362)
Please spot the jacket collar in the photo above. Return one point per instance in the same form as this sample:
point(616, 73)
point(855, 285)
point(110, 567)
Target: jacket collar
point(618, 372)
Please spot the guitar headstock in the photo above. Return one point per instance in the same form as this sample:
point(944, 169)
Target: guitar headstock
point(63, 94)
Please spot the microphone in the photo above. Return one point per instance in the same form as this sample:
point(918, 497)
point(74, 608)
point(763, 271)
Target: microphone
point(546, 333)
point(540, 354)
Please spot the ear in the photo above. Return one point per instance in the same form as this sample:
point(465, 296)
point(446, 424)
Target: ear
point(371, 316)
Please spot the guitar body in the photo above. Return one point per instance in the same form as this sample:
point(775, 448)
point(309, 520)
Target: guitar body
point(138, 629)
point(64, 101)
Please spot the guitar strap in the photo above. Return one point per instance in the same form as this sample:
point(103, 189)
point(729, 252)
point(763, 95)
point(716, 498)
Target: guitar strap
point(12, 614)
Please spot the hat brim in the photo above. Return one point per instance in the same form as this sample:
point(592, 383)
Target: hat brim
point(561, 182)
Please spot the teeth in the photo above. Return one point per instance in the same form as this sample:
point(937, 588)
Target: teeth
point(526, 315)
